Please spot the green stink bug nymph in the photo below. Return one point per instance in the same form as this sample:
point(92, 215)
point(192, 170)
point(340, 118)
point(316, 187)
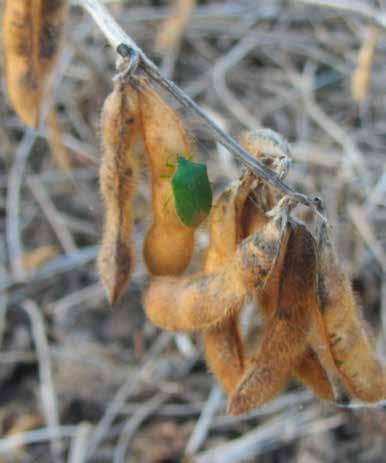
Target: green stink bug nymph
point(192, 192)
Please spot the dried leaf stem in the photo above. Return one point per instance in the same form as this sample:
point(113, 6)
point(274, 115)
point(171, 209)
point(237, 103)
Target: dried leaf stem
point(116, 36)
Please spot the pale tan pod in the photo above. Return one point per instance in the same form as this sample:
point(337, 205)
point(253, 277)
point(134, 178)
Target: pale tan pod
point(206, 299)
point(224, 350)
point(168, 245)
point(32, 31)
point(121, 133)
point(238, 213)
point(359, 368)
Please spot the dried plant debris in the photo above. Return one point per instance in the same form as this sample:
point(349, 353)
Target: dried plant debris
point(361, 78)
point(170, 33)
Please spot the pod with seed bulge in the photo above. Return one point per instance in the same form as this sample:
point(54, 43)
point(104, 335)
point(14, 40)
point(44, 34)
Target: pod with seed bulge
point(168, 245)
point(121, 135)
point(32, 32)
point(360, 370)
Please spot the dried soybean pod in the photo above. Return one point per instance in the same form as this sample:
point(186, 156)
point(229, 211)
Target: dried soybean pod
point(32, 33)
point(169, 243)
point(234, 218)
point(121, 133)
point(224, 350)
point(224, 353)
point(360, 370)
point(284, 340)
point(310, 371)
point(203, 300)
point(195, 302)
point(269, 146)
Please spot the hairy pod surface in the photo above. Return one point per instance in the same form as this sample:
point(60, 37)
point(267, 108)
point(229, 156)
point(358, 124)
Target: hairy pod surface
point(309, 371)
point(360, 370)
point(284, 340)
point(273, 149)
point(121, 133)
point(238, 213)
point(32, 31)
point(169, 243)
point(206, 299)
point(224, 349)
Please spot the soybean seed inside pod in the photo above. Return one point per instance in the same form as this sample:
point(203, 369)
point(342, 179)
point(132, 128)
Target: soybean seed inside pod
point(169, 243)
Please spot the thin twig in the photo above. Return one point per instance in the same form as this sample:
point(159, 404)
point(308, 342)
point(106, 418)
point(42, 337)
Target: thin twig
point(352, 6)
point(3, 295)
point(9, 444)
point(116, 36)
point(133, 423)
point(53, 216)
point(61, 264)
point(47, 389)
point(127, 388)
point(203, 424)
point(289, 426)
point(13, 228)
point(78, 451)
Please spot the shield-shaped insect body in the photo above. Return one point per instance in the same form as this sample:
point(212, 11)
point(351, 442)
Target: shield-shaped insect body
point(192, 192)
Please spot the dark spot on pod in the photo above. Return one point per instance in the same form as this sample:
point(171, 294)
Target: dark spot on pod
point(268, 247)
point(335, 340)
point(49, 41)
point(323, 294)
point(124, 258)
point(343, 398)
point(22, 47)
point(50, 7)
point(282, 313)
point(28, 80)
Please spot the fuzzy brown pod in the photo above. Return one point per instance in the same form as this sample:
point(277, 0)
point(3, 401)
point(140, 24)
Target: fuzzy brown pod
point(121, 128)
point(204, 300)
point(168, 245)
point(359, 368)
point(238, 212)
point(267, 145)
point(286, 332)
point(32, 32)
point(224, 349)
